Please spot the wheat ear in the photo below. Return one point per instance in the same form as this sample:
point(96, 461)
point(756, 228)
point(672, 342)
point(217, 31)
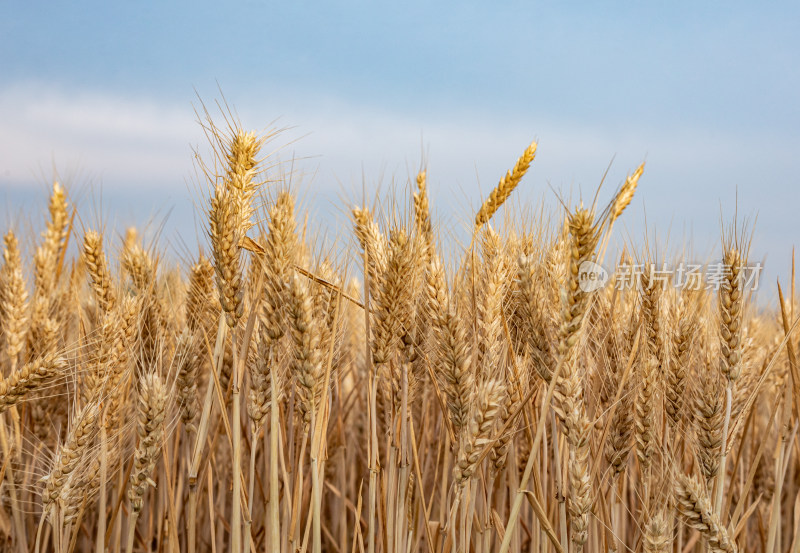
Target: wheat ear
point(625, 194)
point(28, 378)
point(492, 289)
point(307, 366)
point(656, 534)
point(505, 187)
point(150, 430)
point(371, 239)
point(242, 167)
point(694, 506)
point(575, 300)
point(645, 412)
point(422, 214)
point(99, 274)
point(150, 418)
point(709, 407)
point(452, 349)
point(393, 297)
point(200, 299)
point(680, 354)
point(46, 270)
point(476, 435)
point(276, 262)
point(69, 455)
point(188, 360)
point(14, 298)
point(226, 234)
point(731, 303)
point(535, 324)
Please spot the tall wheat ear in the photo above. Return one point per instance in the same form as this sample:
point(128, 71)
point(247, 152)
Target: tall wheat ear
point(709, 413)
point(682, 332)
point(731, 312)
point(226, 235)
point(276, 264)
point(307, 367)
point(452, 348)
point(44, 327)
point(99, 272)
point(505, 187)
point(189, 363)
point(13, 299)
point(569, 404)
point(150, 419)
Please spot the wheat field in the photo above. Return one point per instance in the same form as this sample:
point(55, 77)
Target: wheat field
point(416, 397)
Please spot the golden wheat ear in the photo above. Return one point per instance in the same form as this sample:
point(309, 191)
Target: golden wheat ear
point(422, 214)
point(69, 455)
point(625, 195)
point(99, 273)
point(694, 506)
point(731, 311)
point(505, 187)
point(488, 402)
point(13, 299)
point(28, 378)
point(187, 354)
point(307, 366)
point(150, 419)
point(277, 261)
point(225, 238)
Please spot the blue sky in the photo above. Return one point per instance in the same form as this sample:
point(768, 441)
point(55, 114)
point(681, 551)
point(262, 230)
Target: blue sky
point(705, 92)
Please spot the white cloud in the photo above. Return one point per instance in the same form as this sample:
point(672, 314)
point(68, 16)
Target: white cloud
point(101, 136)
point(135, 141)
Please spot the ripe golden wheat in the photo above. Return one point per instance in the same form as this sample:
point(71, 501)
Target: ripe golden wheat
point(263, 397)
